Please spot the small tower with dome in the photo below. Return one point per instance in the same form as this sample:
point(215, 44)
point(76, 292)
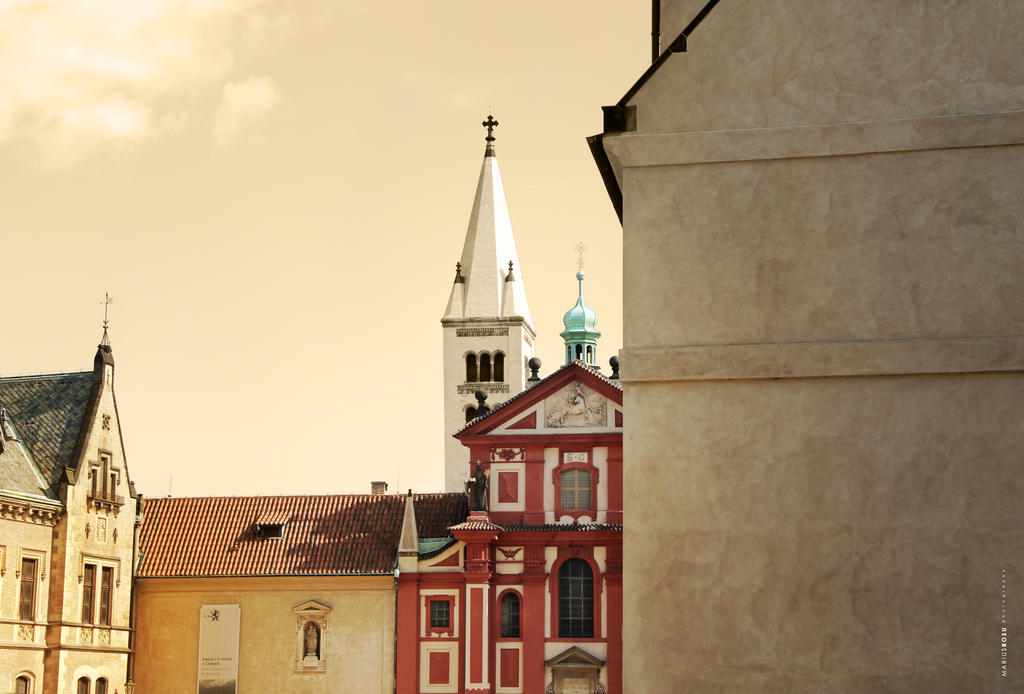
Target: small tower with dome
point(581, 331)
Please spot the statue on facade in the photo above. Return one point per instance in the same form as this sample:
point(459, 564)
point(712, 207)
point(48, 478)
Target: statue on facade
point(312, 640)
point(476, 489)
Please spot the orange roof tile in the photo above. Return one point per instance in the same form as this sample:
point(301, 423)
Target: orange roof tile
point(323, 534)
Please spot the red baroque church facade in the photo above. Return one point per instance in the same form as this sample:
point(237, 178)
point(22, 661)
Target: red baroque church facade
point(525, 596)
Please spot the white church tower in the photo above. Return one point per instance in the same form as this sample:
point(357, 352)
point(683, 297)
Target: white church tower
point(488, 331)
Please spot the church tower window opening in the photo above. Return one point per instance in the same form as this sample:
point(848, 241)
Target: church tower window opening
point(83, 685)
point(101, 685)
point(485, 367)
point(575, 600)
point(499, 367)
point(471, 372)
point(22, 685)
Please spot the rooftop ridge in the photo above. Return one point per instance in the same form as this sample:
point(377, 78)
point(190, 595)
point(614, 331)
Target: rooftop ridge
point(42, 375)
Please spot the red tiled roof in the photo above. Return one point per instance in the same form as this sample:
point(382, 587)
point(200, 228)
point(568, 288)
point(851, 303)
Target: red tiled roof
point(323, 535)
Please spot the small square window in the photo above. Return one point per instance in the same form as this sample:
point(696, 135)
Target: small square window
point(440, 614)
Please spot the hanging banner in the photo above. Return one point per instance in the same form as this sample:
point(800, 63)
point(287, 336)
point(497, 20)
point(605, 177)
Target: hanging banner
point(218, 649)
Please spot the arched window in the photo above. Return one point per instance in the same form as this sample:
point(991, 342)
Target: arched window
point(22, 685)
point(579, 351)
point(510, 615)
point(590, 354)
point(575, 600)
point(499, 367)
point(485, 367)
point(101, 685)
point(470, 412)
point(83, 685)
point(471, 368)
point(576, 490)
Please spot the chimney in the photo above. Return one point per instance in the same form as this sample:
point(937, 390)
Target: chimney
point(378, 488)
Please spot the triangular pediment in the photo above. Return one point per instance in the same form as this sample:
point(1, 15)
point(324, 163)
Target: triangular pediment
point(573, 399)
point(311, 608)
point(574, 655)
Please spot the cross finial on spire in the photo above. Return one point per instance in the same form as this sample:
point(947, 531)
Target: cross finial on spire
point(581, 248)
point(490, 124)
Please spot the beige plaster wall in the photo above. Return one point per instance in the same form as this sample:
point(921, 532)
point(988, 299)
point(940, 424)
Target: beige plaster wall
point(358, 644)
point(785, 62)
point(824, 349)
point(826, 535)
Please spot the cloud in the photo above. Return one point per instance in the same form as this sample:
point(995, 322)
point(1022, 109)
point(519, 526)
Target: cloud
point(80, 75)
point(242, 105)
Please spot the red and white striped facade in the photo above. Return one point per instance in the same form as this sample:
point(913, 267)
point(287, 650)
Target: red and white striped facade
point(548, 552)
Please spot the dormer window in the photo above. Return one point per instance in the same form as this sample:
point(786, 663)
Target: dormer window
point(270, 531)
point(270, 525)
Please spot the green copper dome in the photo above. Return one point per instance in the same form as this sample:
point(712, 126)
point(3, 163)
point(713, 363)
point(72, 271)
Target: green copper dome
point(581, 331)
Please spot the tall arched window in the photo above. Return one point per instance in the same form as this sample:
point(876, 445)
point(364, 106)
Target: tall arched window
point(579, 351)
point(101, 685)
point(510, 615)
point(485, 367)
point(22, 685)
point(499, 367)
point(470, 412)
point(83, 685)
point(590, 354)
point(575, 600)
point(471, 368)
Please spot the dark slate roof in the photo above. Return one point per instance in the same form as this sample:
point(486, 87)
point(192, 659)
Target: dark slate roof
point(48, 412)
point(576, 363)
point(350, 534)
point(17, 472)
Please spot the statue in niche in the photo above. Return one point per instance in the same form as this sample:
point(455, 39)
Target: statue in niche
point(476, 489)
point(312, 640)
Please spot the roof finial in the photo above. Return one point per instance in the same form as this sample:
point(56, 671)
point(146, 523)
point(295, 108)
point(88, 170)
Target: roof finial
point(581, 248)
point(490, 124)
point(107, 301)
point(458, 273)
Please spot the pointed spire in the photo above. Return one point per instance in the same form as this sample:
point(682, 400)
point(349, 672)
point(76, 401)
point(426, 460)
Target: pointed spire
point(409, 541)
point(104, 354)
point(489, 248)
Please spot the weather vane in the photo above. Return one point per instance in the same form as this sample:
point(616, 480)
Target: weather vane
point(580, 250)
point(107, 301)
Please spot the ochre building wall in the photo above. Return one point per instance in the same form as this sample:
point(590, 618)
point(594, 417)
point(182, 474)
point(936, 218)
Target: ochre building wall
point(358, 641)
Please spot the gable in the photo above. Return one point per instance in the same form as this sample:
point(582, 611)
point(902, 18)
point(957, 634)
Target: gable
point(575, 398)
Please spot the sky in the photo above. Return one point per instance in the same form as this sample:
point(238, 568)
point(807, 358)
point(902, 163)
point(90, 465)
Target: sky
point(275, 194)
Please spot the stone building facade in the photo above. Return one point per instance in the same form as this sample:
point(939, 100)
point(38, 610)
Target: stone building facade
point(824, 308)
point(67, 532)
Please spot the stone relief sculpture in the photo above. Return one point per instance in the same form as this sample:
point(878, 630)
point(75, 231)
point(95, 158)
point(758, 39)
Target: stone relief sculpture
point(576, 406)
